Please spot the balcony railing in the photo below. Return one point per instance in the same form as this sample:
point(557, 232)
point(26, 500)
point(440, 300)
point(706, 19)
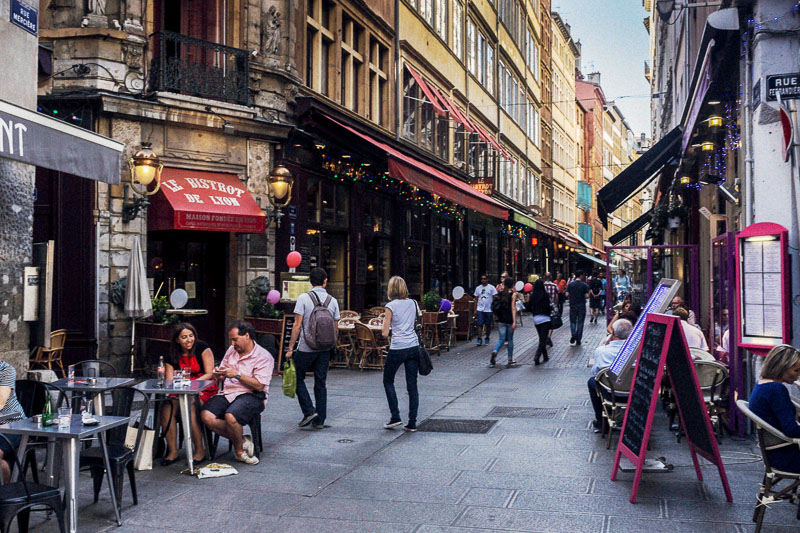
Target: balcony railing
point(195, 67)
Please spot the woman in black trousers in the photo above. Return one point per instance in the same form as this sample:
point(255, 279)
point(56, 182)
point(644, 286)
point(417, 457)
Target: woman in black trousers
point(540, 307)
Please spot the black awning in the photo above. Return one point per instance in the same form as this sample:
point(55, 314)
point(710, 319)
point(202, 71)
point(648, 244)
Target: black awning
point(638, 174)
point(631, 228)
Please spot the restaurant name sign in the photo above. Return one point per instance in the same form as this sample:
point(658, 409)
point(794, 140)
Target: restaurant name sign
point(484, 185)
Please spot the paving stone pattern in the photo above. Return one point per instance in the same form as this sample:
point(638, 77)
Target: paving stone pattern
point(525, 474)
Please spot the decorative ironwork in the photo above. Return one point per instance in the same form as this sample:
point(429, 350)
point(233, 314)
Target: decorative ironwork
point(192, 66)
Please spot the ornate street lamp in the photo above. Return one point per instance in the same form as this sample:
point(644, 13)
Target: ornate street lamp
point(280, 192)
point(145, 167)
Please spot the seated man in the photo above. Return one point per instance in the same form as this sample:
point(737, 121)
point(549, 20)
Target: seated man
point(8, 405)
point(247, 371)
point(604, 355)
point(678, 302)
point(694, 335)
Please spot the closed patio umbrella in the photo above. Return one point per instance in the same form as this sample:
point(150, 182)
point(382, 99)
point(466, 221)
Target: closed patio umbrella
point(137, 294)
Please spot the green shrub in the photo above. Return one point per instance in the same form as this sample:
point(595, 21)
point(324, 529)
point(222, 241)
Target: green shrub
point(431, 301)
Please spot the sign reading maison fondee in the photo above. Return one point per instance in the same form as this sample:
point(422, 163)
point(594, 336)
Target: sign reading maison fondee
point(788, 85)
point(25, 16)
point(37, 139)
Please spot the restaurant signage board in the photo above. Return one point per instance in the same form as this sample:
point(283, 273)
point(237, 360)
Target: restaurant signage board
point(762, 287)
point(787, 85)
point(484, 185)
point(36, 139)
point(663, 348)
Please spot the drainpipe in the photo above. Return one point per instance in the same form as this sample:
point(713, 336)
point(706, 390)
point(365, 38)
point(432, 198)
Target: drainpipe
point(397, 73)
point(748, 195)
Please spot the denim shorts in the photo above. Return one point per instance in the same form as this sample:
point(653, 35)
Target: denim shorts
point(244, 407)
point(485, 318)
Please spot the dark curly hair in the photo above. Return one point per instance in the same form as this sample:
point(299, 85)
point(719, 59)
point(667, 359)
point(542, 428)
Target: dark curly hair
point(175, 349)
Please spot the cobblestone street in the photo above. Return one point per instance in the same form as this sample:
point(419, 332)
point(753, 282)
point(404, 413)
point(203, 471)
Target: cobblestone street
point(546, 473)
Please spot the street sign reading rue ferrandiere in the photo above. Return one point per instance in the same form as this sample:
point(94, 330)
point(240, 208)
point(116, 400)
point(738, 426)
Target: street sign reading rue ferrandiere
point(787, 85)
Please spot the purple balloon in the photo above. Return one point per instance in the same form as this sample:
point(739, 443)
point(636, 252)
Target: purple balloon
point(273, 297)
point(445, 306)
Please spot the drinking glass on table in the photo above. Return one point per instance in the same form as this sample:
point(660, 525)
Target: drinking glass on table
point(64, 417)
point(177, 377)
point(187, 375)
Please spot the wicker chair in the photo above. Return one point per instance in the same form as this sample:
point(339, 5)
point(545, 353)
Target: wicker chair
point(45, 357)
point(613, 408)
point(378, 310)
point(770, 438)
point(347, 314)
point(372, 354)
point(345, 345)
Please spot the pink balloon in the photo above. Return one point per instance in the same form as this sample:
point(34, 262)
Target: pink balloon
point(273, 297)
point(294, 259)
point(528, 287)
point(445, 306)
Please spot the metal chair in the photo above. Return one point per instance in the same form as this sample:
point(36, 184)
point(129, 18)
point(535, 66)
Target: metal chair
point(17, 499)
point(698, 354)
point(45, 357)
point(611, 394)
point(713, 378)
point(770, 438)
point(32, 396)
point(255, 434)
point(372, 354)
point(95, 368)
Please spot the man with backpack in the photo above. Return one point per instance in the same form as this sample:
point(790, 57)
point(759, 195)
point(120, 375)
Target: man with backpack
point(316, 326)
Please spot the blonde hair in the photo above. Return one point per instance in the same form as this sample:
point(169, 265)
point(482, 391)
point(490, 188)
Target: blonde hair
point(779, 359)
point(397, 289)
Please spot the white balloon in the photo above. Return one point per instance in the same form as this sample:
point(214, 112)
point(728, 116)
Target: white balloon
point(458, 292)
point(178, 298)
point(519, 285)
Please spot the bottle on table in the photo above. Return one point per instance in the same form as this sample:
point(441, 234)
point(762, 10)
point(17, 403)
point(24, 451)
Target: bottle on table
point(47, 414)
point(162, 371)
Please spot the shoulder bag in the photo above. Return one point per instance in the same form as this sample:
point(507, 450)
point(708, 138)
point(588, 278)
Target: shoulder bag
point(425, 363)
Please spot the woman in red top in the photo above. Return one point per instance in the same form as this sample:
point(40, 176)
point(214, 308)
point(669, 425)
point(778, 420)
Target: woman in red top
point(186, 350)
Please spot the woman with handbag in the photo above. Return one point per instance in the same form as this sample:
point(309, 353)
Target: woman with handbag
point(541, 308)
point(506, 312)
point(404, 349)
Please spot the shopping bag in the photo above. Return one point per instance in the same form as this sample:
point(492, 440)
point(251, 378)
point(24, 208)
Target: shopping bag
point(145, 460)
point(289, 378)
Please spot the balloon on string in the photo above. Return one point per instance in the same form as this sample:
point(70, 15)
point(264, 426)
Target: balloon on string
point(294, 259)
point(528, 287)
point(458, 292)
point(273, 297)
point(445, 306)
point(178, 298)
point(519, 285)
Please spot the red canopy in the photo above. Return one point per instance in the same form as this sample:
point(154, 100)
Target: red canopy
point(427, 91)
point(206, 201)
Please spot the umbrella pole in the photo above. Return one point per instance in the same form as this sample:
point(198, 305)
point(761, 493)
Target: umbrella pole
point(133, 342)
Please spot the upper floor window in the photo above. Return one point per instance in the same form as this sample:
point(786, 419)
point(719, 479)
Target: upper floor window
point(421, 125)
point(352, 64)
point(458, 29)
point(480, 56)
point(378, 82)
point(319, 40)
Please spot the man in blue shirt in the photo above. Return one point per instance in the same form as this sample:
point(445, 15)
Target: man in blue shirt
point(604, 355)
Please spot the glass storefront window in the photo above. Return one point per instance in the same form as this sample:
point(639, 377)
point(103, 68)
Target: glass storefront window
point(342, 206)
point(312, 199)
point(327, 205)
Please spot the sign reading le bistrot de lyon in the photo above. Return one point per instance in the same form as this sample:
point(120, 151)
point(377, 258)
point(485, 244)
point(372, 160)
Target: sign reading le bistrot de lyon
point(788, 85)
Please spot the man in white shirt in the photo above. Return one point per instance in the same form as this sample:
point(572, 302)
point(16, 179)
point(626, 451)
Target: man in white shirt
point(484, 293)
point(604, 355)
point(694, 335)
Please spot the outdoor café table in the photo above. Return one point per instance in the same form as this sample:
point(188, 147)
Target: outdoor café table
point(151, 389)
point(97, 389)
point(70, 447)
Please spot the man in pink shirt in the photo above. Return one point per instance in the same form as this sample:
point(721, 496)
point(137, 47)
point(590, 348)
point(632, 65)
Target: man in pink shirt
point(247, 371)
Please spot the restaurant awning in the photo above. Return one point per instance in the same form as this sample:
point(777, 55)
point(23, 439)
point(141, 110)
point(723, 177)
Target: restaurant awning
point(428, 178)
point(522, 219)
point(596, 260)
point(40, 140)
point(426, 90)
point(206, 201)
point(638, 174)
point(567, 236)
point(631, 228)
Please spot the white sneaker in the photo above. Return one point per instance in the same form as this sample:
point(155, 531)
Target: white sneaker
point(244, 458)
point(249, 447)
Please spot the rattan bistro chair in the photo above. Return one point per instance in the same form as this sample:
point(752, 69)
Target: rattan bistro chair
point(46, 357)
point(372, 354)
point(347, 314)
point(611, 394)
point(770, 438)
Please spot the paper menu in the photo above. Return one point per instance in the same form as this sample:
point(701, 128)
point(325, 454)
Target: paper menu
point(753, 289)
point(752, 256)
point(754, 320)
point(771, 256)
point(773, 321)
point(773, 289)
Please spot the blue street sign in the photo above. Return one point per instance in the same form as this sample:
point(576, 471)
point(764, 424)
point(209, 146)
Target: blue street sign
point(25, 16)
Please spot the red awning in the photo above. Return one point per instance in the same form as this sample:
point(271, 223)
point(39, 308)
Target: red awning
point(567, 236)
point(427, 91)
point(206, 201)
point(430, 179)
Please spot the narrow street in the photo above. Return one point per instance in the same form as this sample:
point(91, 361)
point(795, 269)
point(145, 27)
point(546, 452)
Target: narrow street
point(543, 471)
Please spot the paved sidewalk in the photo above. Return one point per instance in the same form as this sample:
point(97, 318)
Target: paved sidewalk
point(546, 473)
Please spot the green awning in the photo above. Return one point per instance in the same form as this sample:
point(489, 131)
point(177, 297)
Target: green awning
point(525, 221)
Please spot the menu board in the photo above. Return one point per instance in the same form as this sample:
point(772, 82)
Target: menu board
point(286, 336)
point(761, 285)
point(293, 285)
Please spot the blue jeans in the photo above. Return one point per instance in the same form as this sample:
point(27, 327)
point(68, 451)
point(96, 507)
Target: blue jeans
point(316, 362)
point(506, 335)
point(409, 358)
point(577, 316)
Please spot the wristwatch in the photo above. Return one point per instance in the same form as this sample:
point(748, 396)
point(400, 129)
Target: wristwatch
point(239, 376)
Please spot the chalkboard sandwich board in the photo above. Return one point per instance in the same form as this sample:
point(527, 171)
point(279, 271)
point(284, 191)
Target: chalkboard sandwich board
point(663, 346)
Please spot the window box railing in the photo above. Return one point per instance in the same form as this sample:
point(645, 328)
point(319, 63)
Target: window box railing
point(186, 65)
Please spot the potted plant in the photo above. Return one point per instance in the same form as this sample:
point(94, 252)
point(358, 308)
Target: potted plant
point(431, 305)
point(159, 326)
point(264, 316)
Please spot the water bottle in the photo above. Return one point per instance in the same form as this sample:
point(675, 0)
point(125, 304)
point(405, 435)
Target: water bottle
point(47, 414)
point(162, 371)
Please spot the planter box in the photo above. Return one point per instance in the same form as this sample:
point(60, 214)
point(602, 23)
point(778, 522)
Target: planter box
point(431, 317)
point(149, 330)
point(266, 325)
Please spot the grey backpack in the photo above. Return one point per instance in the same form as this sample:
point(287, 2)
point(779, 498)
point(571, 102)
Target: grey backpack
point(320, 331)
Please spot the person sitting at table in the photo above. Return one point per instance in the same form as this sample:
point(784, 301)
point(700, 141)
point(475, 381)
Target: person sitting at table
point(186, 351)
point(630, 310)
point(694, 335)
point(604, 355)
point(770, 401)
point(247, 371)
point(9, 405)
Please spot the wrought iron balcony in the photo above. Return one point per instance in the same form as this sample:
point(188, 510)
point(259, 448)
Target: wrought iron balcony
point(186, 65)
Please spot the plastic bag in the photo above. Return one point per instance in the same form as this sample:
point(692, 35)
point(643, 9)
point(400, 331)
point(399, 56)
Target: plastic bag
point(289, 378)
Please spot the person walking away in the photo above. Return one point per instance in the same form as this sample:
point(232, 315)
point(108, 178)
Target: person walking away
point(622, 285)
point(540, 306)
point(552, 291)
point(562, 294)
point(247, 371)
point(602, 293)
point(503, 307)
point(595, 298)
point(316, 325)
point(484, 294)
point(401, 318)
point(577, 293)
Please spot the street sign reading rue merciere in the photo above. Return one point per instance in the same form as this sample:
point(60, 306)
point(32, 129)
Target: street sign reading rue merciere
point(788, 85)
point(25, 16)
